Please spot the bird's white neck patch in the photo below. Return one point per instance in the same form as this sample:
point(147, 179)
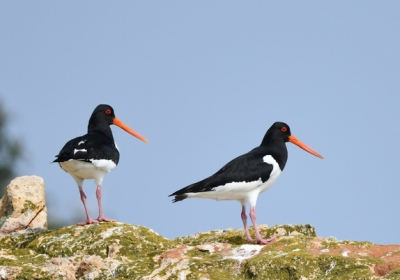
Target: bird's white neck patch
point(275, 166)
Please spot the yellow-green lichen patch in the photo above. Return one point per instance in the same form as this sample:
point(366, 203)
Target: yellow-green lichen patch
point(29, 205)
point(205, 262)
point(394, 275)
point(296, 265)
point(330, 244)
point(17, 240)
point(20, 257)
point(286, 230)
point(234, 237)
point(213, 267)
point(237, 237)
point(28, 262)
point(122, 251)
point(98, 239)
point(137, 267)
point(358, 244)
point(289, 243)
point(29, 272)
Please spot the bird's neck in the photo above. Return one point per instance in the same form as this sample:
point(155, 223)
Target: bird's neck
point(277, 149)
point(105, 130)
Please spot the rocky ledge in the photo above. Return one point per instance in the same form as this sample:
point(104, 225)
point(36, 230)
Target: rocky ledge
point(122, 251)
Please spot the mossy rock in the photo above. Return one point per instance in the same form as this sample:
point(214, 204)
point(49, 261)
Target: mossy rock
point(99, 239)
point(122, 251)
point(132, 247)
point(301, 265)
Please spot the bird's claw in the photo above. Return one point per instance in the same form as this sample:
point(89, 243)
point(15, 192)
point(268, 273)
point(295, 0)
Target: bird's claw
point(88, 222)
point(265, 241)
point(104, 219)
point(260, 240)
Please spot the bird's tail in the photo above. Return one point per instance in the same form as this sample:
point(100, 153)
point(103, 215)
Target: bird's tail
point(179, 197)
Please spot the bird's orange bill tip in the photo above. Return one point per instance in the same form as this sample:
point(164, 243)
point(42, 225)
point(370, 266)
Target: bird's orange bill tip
point(300, 144)
point(119, 123)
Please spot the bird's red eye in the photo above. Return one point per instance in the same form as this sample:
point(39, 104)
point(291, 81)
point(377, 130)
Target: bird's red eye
point(108, 111)
point(284, 129)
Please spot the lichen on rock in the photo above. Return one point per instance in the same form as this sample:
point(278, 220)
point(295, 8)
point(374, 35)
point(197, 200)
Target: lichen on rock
point(122, 251)
point(23, 205)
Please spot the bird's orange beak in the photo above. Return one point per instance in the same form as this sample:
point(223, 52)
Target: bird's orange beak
point(300, 144)
point(119, 123)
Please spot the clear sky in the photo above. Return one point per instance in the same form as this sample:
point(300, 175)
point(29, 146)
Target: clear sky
point(203, 81)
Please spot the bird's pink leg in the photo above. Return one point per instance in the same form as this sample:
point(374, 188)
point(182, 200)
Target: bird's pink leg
point(246, 228)
point(253, 218)
point(101, 217)
point(89, 220)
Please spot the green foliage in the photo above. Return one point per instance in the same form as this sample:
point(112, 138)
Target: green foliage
point(10, 152)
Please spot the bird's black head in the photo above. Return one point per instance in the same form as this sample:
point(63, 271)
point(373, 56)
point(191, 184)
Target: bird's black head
point(279, 131)
point(103, 116)
point(101, 119)
point(103, 113)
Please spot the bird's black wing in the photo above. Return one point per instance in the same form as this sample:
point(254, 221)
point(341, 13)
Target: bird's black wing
point(87, 148)
point(247, 167)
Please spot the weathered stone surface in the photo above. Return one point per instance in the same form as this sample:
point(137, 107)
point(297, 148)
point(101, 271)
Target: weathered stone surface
point(122, 251)
point(23, 205)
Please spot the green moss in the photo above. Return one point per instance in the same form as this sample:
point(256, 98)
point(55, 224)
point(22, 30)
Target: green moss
point(97, 239)
point(33, 273)
point(232, 237)
point(141, 266)
point(138, 250)
point(237, 237)
point(135, 245)
point(330, 244)
point(16, 240)
point(306, 230)
point(358, 244)
point(214, 269)
point(29, 205)
point(394, 275)
point(300, 264)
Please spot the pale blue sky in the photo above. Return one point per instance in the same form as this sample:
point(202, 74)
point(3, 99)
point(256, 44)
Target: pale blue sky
point(203, 81)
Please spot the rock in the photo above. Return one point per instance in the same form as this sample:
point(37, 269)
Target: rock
point(122, 251)
point(23, 205)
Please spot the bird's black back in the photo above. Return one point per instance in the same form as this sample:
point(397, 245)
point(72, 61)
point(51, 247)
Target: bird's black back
point(97, 146)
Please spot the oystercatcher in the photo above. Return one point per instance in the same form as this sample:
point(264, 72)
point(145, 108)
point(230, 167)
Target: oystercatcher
point(92, 155)
point(248, 175)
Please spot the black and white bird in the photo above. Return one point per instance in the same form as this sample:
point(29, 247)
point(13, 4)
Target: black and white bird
point(248, 175)
point(93, 155)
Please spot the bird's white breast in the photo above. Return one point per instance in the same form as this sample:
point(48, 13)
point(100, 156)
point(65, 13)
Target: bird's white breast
point(88, 170)
point(104, 164)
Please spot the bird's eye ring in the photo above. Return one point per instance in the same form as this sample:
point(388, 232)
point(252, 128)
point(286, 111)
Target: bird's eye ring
point(108, 111)
point(284, 129)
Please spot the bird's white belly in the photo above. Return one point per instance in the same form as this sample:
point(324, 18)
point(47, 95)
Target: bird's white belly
point(88, 170)
point(243, 191)
point(230, 191)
